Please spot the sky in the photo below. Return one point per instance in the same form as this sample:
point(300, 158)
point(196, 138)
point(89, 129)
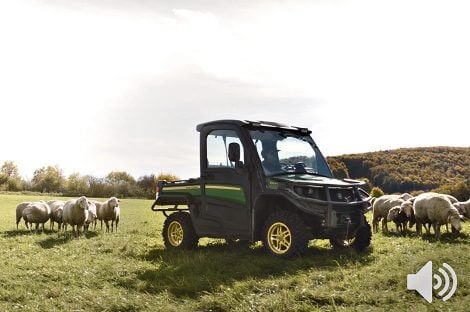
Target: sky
point(96, 86)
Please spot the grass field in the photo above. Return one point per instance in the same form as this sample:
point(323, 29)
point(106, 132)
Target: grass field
point(131, 271)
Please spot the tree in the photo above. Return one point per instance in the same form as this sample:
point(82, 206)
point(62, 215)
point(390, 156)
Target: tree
point(167, 177)
point(460, 190)
point(77, 185)
point(119, 176)
point(10, 179)
point(97, 187)
point(338, 168)
point(48, 179)
point(121, 183)
point(147, 185)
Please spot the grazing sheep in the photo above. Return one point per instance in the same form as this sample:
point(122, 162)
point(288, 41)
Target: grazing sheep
point(398, 216)
point(437, 210)
point(110, 211)
point(451, 198)
point(407, 208)
point(380, 210)
point(463, 208)
point(74, 213)
point(90, 216)
point(38, 213)
point(57, 212)
point(19, 213)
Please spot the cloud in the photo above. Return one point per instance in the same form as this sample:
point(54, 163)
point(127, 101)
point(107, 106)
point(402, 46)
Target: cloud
point(123, 83)
point(158, 127)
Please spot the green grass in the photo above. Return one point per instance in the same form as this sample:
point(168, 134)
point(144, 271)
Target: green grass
point(131, 271)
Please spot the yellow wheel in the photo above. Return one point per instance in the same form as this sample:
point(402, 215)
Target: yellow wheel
point(279, 238)
point(175, 234)
point(178, 231)
point(285, 234)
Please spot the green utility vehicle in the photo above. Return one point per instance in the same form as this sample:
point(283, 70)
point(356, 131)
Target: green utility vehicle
point(263, 181)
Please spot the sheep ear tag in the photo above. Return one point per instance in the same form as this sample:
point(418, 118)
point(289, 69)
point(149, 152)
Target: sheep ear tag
point(422, 281)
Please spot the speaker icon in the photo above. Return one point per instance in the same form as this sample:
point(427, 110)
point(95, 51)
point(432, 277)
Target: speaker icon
point(422, 282)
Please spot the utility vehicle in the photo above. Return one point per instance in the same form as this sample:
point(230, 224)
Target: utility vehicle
point(263, 181)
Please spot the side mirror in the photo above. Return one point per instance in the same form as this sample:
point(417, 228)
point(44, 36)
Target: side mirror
point(234, 152)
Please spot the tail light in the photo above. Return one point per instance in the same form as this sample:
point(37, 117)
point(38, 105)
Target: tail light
point(157, 192)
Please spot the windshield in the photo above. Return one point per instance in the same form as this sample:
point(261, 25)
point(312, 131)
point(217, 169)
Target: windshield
point(284, 152)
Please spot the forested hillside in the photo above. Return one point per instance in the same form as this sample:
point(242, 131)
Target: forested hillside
point(409, 169)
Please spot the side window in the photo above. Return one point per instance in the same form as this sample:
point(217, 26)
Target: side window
point(217, 143)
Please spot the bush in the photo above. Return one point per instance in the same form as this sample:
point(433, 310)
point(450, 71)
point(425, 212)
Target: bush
point(461, 190)
point(376, 192)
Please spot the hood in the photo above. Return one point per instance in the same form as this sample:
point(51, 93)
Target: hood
point(308, 179)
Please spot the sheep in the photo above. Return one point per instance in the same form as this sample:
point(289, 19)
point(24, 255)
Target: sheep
point(380, 210)
point(435, 209)
point(38, 212)
point(57, 211)
point(398, 216)
point(109, 211)
point(463, 208)
point(405, 196)
point(451, 198)
point(407, 208)
point(74, 214)
point(19, 212)
point(90, 215)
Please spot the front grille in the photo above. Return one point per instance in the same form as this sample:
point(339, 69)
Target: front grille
point(336, 194)
point(342, 195)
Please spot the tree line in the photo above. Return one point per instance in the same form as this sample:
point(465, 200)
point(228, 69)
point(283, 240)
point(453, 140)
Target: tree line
point(412, 170)
point(51, 179)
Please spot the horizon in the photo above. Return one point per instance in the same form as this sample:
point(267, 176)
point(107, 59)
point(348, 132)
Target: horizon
point(136, 177)
point(97, 87)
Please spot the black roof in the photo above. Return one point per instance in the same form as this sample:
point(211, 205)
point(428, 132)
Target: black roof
point(254, 124)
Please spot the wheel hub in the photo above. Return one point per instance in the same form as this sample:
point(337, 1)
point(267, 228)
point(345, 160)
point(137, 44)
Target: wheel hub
point(175, 233)
point(279, 238)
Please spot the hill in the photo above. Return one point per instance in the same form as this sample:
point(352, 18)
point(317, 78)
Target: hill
point(409, 169)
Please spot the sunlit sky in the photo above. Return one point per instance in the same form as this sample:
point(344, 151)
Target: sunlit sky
point(95, 86)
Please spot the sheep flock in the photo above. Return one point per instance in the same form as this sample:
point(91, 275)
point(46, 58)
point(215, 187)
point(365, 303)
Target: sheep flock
point(79, 213)
point(425, 210)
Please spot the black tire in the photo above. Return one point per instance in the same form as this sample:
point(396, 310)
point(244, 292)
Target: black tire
point(178, 232)
point(285, 235)
point(359, 242)
point(363, 237)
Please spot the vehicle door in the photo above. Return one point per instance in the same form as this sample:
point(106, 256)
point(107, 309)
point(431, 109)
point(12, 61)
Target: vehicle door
point(225, 184)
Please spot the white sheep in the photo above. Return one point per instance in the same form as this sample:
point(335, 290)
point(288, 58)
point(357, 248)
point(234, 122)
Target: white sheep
point(451, 198)
point(437, 210)
point(57, 212)
point(38, 213)
point(74, 213)
point(380, 210)
point(405, 196)
point(19, 213)
point(463, 208)
point(109, 211)
point(90, 215)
